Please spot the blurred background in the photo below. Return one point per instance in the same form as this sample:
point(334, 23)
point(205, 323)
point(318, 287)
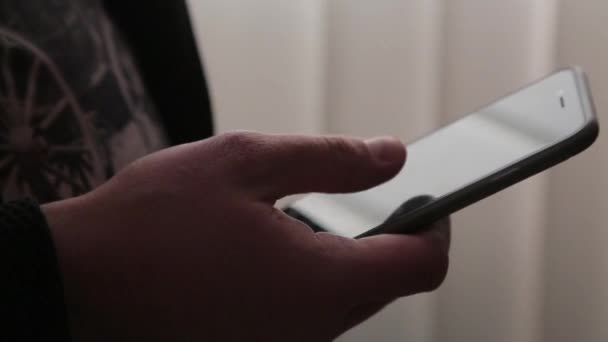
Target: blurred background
point(528, 264)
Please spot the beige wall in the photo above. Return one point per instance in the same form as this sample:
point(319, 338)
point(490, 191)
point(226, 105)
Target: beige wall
point(265, 62)
point(576, 277)
point(383, 59)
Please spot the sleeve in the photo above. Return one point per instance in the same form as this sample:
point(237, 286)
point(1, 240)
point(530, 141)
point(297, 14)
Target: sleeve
point(32, 304)
point(174, 74)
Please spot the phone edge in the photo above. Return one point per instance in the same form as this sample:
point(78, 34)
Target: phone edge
point(418, 220)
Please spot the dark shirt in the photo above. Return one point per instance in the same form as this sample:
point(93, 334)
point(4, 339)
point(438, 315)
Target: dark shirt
point(86, 87)
point(73, 105)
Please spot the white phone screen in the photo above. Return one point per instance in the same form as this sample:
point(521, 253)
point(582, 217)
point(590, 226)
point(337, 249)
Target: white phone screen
point(460, 154)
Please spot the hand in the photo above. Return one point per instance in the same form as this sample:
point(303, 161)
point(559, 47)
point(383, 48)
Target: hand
point(186, 245)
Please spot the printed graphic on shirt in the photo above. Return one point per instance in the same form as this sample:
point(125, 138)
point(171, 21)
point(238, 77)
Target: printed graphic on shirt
point(73, 109)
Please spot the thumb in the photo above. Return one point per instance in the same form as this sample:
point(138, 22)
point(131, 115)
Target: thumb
point(288, 164)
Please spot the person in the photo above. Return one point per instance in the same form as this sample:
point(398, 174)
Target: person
point(142, 226)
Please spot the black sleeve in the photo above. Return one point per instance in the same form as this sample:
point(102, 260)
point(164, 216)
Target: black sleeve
point(32, 304)
point(161, 38)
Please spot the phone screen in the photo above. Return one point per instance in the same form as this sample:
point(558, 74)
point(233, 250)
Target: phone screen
point(459, 154)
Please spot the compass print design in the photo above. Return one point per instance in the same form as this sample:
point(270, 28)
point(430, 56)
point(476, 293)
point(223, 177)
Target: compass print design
point(73, 110)
point(46, 138)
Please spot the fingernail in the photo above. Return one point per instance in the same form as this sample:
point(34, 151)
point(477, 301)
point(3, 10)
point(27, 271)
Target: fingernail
point(442, 234)
point(386, 149)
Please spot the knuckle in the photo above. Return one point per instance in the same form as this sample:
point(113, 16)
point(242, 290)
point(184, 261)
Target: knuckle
point(346, 153)
point(352, 158)
point(246, 153)
point(237, 140)
point(241, 146)
point(344, 148)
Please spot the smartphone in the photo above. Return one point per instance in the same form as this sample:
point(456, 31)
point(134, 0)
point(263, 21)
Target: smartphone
point(516, 137)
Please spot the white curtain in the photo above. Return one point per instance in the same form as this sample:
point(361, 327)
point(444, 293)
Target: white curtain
point(528, 264)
